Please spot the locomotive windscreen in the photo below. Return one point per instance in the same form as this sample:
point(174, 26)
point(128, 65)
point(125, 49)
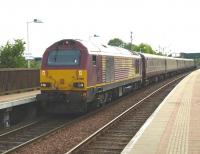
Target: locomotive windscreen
point(69, 57)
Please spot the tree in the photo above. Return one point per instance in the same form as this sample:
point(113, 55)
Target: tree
point(11, 55)
point(142, 47)
point(131, 47)
point(145, 48)
point(119, 43)
point(116, 42)
point(161, 54)
point(35, 64)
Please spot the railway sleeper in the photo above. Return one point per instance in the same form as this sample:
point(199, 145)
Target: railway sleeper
point(10, 143)
point(19, 139)
point(117, 129)
point(129, 128)
point(105, 147)
point(107, 151)
point(111, 142)
point(115, 137)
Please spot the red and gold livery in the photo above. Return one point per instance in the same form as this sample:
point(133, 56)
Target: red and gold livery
point(75, 74)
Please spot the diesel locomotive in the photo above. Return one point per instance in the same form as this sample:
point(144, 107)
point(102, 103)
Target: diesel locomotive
point(76, 74)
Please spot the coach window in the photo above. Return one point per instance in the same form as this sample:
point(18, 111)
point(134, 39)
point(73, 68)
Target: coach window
point(94, 60)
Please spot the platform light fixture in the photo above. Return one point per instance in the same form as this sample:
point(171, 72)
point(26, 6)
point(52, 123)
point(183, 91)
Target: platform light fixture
point(28, 54)
point(131, 37)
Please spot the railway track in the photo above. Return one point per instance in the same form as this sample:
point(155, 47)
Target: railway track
point(14, 139)
point(69, 136)
point(115, 135)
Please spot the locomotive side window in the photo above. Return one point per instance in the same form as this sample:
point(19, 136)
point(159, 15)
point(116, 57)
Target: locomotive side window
point(94, 60)
point(64, 58)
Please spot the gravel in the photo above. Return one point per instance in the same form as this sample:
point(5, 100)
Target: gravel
point(65, 139)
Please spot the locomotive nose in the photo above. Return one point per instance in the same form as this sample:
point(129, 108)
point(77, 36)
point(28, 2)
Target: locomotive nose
point(63, 79)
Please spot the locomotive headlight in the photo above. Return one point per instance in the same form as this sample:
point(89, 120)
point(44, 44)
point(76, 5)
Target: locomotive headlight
point(45, 84)
point(78, 84)
point(80, 72)
point(44, 73)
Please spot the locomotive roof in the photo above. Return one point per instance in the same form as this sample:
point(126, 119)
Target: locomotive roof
point(101, 49)
point(183, 59)
point(153, 56)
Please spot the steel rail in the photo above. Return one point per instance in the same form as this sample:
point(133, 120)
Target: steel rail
point(118, 118)
point(20, 128)
point(52, 131)
point(34, 138)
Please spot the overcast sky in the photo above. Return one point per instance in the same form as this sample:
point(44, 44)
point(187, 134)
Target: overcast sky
point(171, 24)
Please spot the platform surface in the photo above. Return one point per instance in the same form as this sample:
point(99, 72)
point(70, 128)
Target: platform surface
point(175, 125)
point(11, 100)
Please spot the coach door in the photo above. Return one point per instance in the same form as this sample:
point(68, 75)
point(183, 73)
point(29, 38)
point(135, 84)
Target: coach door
point(144, 64)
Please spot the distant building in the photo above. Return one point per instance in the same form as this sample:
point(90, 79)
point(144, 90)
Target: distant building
point(190, 55)
point(37, 59)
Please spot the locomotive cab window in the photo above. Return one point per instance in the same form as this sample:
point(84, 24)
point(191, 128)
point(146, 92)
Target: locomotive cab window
point(69, 57)
point(94, 60)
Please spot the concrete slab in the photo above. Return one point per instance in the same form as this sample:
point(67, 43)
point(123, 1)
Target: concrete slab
point(175, 125)
point(7, 101)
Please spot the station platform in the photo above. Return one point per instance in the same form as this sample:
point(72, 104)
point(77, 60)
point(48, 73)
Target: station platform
point(11, 100)
point(175, 125)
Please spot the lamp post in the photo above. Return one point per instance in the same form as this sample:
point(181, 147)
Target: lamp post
point(27, 26)
point(131, 36)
